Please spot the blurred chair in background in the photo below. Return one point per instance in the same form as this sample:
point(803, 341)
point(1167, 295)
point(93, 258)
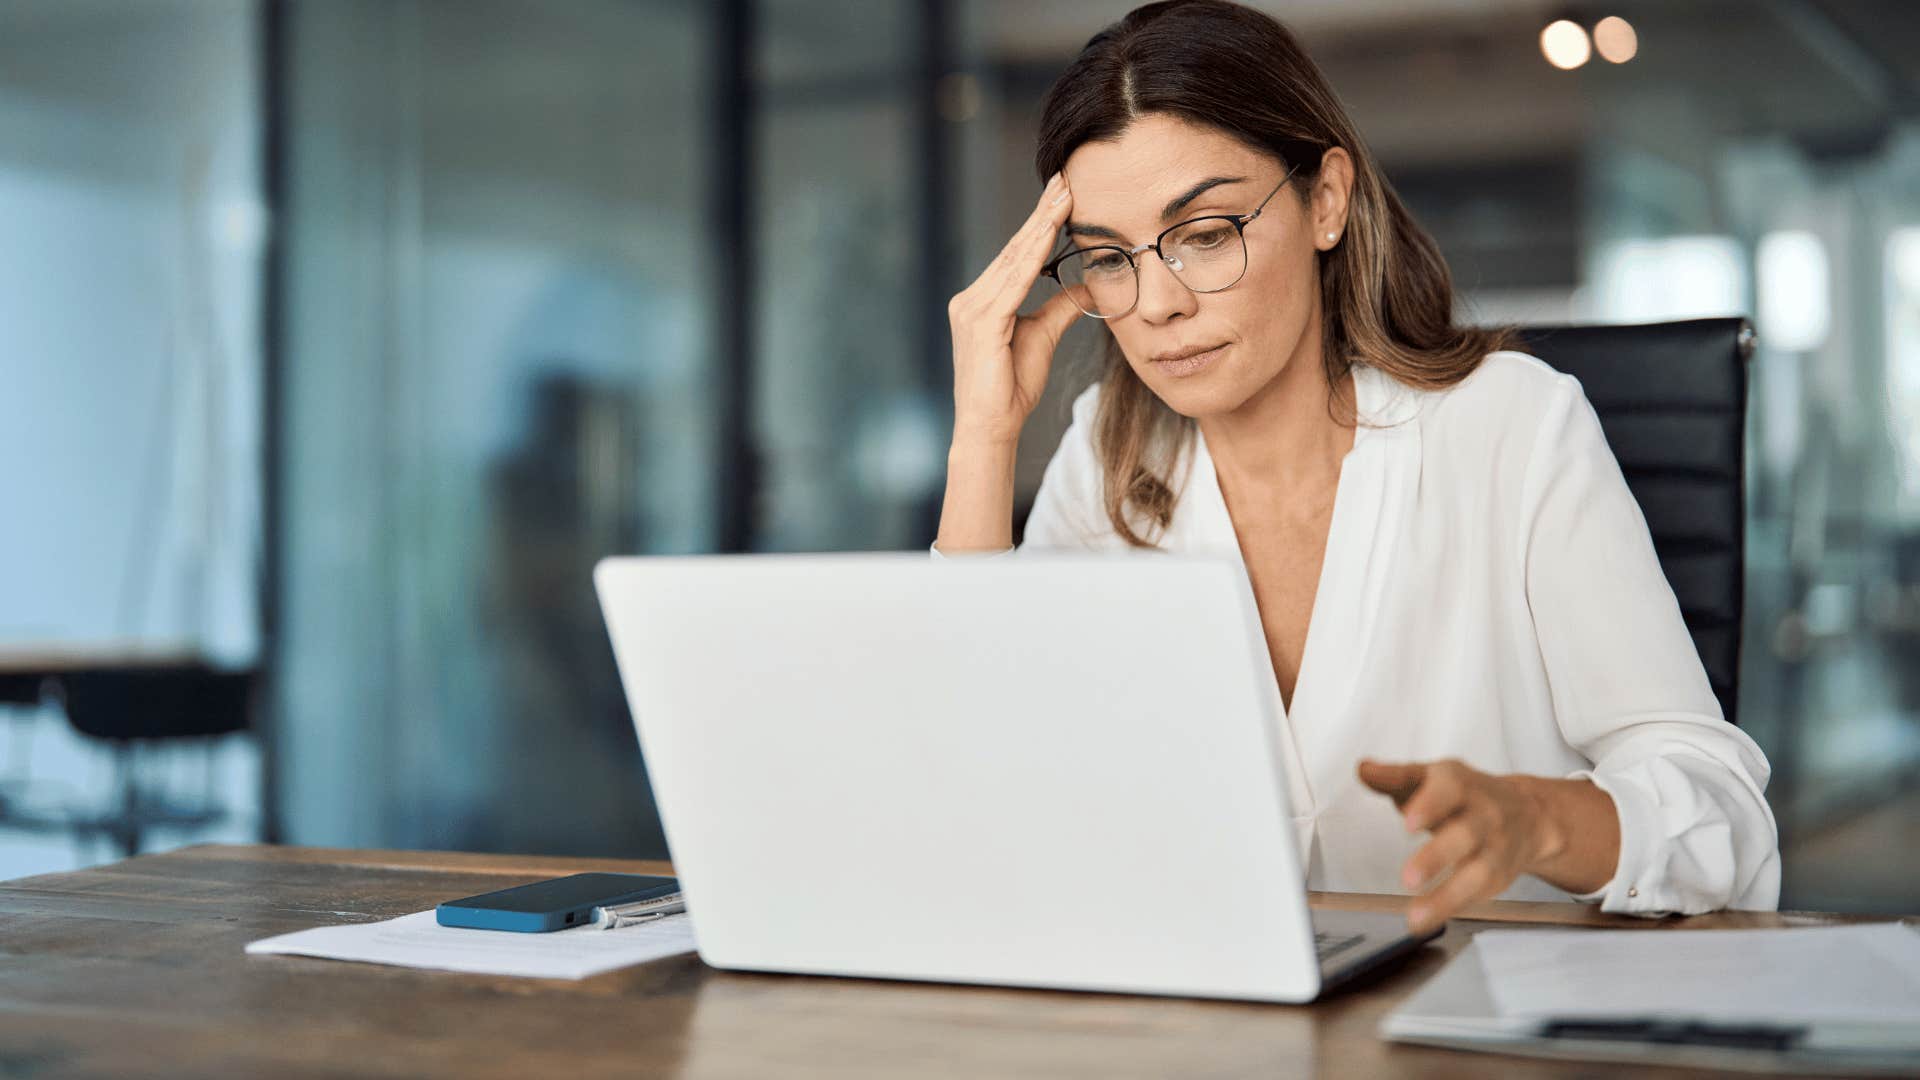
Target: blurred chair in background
point(132, 709)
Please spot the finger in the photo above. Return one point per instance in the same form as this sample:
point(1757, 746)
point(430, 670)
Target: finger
point(1034, 346)
point(1398, 781)
point(1472, 882)
point(1038, 230)
point(1043, 211)
point(983, 293)
point(1054, 316)
point(1438, 796)
point(1454, 841)
point(1027, 252)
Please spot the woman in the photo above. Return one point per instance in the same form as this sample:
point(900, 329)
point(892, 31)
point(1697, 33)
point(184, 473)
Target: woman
point(1448, 566)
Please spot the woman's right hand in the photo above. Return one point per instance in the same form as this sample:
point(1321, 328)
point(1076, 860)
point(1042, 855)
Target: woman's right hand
point(1000, 357)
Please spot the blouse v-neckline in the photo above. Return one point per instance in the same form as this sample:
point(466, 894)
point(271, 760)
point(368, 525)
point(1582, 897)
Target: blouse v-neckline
point(1376, 480)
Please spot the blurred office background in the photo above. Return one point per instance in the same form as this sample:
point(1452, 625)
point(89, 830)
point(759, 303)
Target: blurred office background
point(339, 338)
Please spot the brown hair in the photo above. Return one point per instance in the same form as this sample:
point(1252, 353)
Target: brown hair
point(1386, 296)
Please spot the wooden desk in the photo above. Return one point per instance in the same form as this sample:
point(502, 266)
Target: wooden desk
point(136, 968)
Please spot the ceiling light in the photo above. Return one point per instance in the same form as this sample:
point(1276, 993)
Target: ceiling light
point(1565, 44)
point(1615, 40)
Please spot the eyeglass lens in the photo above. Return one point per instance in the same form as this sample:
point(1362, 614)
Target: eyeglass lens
point(1206, 255)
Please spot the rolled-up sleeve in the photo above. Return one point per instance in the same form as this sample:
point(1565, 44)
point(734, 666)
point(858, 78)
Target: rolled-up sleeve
point(1629, 692)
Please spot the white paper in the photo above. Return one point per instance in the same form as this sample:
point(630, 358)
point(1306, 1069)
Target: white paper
point(1862, 974)
point(419, 941)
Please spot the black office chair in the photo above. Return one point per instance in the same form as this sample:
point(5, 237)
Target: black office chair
point(131, 707)
point(148, 706)
point(1672, 398)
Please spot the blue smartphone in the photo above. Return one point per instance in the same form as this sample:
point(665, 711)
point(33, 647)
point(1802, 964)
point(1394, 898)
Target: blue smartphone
point(552, 905)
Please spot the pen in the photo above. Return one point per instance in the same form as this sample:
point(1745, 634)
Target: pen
point(615, 916)
point(1678, 1032)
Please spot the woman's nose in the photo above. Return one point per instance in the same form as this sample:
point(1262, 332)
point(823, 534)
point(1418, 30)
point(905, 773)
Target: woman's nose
point(1162, 294)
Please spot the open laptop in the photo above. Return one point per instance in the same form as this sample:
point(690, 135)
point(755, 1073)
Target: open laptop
point(1048, 771)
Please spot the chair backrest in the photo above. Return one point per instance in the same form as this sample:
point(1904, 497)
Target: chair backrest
point(1672, 398)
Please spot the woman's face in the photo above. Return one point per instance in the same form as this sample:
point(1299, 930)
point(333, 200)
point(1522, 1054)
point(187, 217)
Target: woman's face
point(1162, 171)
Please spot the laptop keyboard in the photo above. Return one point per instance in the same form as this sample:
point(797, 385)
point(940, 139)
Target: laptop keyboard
point(1327, 946)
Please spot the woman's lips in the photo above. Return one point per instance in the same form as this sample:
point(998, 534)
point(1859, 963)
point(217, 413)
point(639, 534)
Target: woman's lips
point(1191, 365)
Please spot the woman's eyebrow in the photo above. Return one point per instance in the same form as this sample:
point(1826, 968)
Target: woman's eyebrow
point(1196, 191)
point(1075, 228)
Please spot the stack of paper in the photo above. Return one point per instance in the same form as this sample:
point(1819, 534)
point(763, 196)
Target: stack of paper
point(419, 941)
point(1808, 998)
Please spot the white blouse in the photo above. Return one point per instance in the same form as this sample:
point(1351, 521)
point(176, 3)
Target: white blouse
point(1489, 593)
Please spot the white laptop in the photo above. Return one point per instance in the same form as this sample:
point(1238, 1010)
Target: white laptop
point(1049, 771)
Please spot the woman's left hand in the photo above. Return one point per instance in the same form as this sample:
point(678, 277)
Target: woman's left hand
point(1486, 831)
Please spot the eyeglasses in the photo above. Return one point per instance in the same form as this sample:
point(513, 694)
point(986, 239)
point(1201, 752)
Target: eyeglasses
point(1207, 254)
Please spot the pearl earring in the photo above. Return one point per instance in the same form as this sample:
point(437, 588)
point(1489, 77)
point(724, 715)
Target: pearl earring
point(1330, 236)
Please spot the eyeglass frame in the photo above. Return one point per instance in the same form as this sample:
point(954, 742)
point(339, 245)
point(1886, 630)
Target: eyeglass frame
point(1240, 223)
